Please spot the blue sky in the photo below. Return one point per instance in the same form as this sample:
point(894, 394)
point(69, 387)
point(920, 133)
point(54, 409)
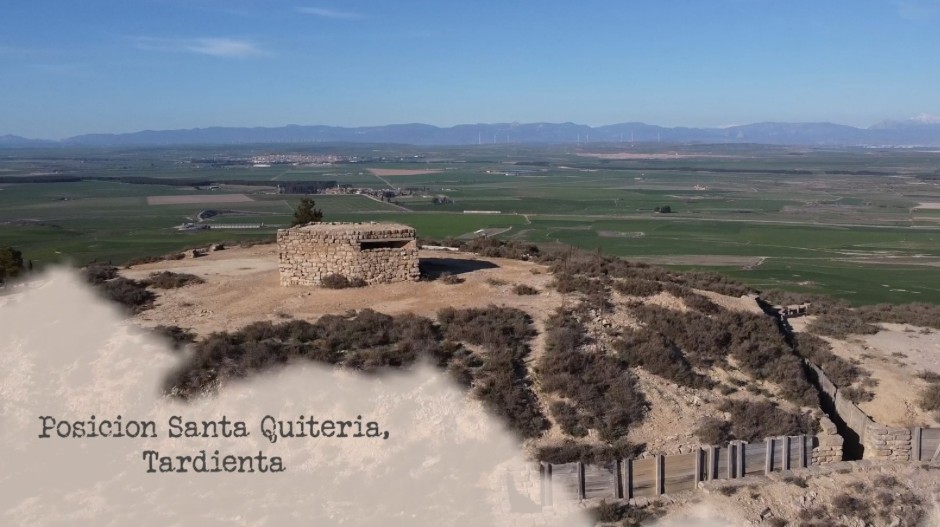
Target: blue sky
point(69, 67)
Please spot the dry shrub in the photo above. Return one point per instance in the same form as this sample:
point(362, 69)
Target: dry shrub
point(170, 280)
point(756, 421)
point(501, 381)
point(659, 356)
point(692, 300)
point(450, 279)
point(841, 324)
point(334, 281)
point(636, 287)
point(729, 490)
point(835, 317)
point(858, 395)
point(608, 512)
point(338, 281)
point(132, 295)
point(522, 289)
point(177, 336)
point(489, 247)
point(97, 273)
point(569, 451)
point(841, 372)
point(930, 398)
point(600, 386)
point(915, 314)
point(929, 376)
point(364, 340)
point(567, 417)
point(797, 481)
point(713, 431)
point(753, 340)
point(144, 260)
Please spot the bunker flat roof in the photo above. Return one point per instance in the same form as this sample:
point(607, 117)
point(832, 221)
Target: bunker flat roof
point(355, 227)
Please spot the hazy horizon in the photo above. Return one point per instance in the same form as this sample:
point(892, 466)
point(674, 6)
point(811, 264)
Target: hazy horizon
point(932, 119)
point(109, 67)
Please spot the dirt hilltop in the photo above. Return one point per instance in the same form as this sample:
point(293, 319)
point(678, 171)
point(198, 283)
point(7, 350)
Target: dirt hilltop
point(241, 286)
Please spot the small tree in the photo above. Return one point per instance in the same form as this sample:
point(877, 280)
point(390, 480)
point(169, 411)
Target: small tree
point(11, 263)
point(306, 213)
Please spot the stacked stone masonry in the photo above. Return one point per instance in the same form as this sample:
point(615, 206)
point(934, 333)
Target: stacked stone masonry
point(828, 447)
point(375, 253)
point(887, 444)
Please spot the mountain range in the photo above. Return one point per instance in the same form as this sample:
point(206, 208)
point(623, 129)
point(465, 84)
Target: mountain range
point(919, 131)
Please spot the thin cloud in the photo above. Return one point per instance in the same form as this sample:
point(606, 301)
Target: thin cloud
point(216, 47)
point(918, 9)
point(330, 13)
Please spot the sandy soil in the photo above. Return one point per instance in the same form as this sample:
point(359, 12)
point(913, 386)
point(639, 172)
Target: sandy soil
point(931, 206)
point(242, 287)
point(894, 357)
point(759, 499)
point(397, 172)
point(196, 198)
point(743, 303)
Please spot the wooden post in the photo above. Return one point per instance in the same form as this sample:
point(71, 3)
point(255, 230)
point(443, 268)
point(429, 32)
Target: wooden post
point(628, 479)
point(713, 464)
point(916, 440)
point(660, 475)
point(769, 458)
point(581, 488)
point(542, 483)
point(804, 463)
point(742, 448)
point(732, 455)
point(618, 479)
point(550, 494)
point(786, 452)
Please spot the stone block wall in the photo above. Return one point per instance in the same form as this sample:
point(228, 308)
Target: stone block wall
point(374, 253)
point(884, 443)
point(827, 447)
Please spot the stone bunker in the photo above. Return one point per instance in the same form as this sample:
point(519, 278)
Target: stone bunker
point(378, 253)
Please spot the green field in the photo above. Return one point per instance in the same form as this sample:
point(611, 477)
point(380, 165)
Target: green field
point(837, 221)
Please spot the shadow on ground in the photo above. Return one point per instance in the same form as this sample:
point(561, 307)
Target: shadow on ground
point(434, 267)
